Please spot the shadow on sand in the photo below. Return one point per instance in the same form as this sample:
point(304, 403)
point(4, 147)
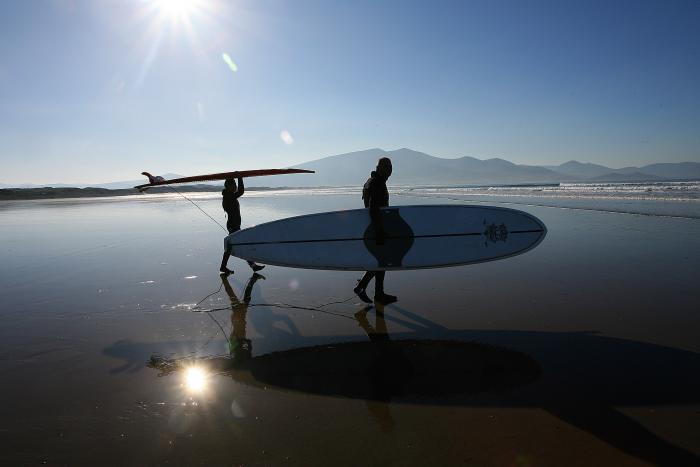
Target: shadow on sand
point(580, 377)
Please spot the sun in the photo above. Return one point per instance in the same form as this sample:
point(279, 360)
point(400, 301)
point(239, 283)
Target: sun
point(178, 8)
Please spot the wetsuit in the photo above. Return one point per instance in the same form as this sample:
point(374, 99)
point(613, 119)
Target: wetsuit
point(232, 207)
point(375, 195)
point(233, 222)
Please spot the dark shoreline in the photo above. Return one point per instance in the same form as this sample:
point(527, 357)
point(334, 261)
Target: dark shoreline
point(19, 194)
point(16, 194)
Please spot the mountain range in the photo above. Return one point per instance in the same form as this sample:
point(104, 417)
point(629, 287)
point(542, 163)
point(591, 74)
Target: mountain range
point(417, 168)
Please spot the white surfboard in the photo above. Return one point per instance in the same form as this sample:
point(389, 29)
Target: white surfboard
point(417, 237)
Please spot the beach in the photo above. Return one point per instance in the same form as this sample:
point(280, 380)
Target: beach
point(582, 351)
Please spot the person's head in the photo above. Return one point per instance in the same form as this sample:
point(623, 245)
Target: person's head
point(230, 184)
point(384, 167)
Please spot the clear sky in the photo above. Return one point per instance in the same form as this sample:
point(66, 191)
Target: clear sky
point(94, 91)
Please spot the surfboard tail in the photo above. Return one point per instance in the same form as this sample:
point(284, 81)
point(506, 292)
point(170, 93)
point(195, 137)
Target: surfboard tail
point(156, 180)
point(152, 180)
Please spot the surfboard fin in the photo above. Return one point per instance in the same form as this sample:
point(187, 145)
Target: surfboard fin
point(152, 179)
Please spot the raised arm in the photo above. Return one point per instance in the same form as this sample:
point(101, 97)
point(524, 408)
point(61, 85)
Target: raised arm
point(241, 188)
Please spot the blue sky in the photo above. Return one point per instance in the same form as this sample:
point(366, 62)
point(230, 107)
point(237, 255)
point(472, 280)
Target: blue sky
point(99, 91)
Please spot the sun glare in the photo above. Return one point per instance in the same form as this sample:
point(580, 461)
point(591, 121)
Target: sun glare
point(195, 379)
point(178, 8)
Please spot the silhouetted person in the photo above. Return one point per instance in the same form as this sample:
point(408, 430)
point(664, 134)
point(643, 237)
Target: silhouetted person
point(375, 196)
point(230, 194)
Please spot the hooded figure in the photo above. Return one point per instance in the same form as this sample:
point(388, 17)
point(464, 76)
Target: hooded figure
point(375, 196)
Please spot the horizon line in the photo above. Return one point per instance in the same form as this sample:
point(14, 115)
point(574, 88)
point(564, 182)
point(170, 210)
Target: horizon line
point(546, 166)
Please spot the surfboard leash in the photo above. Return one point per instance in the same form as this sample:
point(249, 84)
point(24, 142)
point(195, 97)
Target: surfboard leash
point(197, 206)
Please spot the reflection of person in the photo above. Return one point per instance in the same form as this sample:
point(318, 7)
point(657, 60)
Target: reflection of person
point(376, 195)
point(376, 334)
point(230, 194)
point(378, 405)
point(240, 348)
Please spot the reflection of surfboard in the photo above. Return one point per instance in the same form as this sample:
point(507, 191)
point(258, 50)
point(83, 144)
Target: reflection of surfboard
point(426, 236)
point(156, 181)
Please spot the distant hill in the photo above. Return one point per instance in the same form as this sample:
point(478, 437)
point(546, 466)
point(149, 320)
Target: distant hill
point(625, 177)
point(126, 184)
point(7, 194)
point(417, 168)
point(412, 168)
point(594, 172)
point(580, 169)
point(680, 170)
point(130, 183)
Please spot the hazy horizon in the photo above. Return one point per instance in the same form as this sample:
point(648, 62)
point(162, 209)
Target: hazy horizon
point(222, 169)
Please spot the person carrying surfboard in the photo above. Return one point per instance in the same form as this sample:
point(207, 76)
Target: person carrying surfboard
point(232, 207)
point(375, 196)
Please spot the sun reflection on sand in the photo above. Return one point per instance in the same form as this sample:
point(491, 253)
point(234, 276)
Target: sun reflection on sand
point(195, 379)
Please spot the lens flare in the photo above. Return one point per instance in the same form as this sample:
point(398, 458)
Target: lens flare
point(231, 64)
point(286, 137)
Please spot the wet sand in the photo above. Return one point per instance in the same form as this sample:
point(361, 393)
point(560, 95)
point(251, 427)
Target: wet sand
point(583, 351)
